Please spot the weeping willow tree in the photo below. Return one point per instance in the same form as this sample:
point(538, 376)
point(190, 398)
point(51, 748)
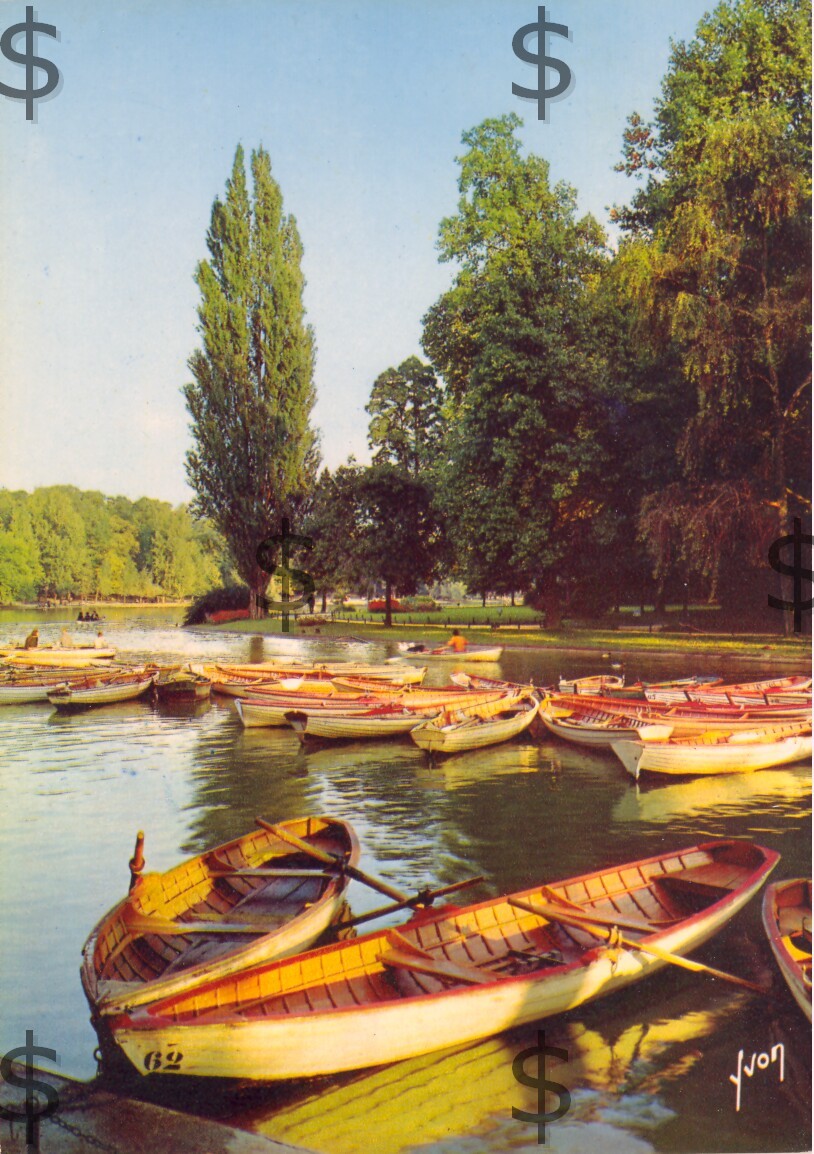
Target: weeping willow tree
point(717, 263)
point(255, 455)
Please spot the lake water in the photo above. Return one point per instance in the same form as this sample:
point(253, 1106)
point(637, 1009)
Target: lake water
point(648, 1069)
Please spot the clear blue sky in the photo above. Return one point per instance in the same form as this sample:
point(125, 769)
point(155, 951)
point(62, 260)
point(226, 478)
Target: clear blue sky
point(361, 105)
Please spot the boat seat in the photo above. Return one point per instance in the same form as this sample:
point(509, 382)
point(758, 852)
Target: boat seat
point(714, 878)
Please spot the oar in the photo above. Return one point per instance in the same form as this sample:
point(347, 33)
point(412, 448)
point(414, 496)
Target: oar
point(591, 924)
point(337, 863)
point(423, 898)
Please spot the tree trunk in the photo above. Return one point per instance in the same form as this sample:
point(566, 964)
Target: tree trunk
point(483, 600)
point(513, 601)
point(388, 611)
point(324, 600)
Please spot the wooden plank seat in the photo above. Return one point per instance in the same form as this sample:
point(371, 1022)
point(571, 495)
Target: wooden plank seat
point(706, 880)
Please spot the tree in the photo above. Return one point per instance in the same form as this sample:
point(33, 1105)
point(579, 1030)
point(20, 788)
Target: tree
point(389, 529)
point(20, 569)
point(60, 534)
point(406, 427)
point(255, 455)
point(331, 523)
point(717, 264)
point(515, 340)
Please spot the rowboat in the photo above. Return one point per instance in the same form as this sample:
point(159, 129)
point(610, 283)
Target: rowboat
point(471, 653)
point(718, 694)
point(448, 976)
point(271, 709)
point(488, 725)
point(589, 685)
point(101, 690)
point(787, 921)
point(59, 659)
point(687, 719)
point(377, 722)
point(21, 689)
point(244, 902)
point(599, 732)
point(328, 670)
point(182, 686)
point(728, 753)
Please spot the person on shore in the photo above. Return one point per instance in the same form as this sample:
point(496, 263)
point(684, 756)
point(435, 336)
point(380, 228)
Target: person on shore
point(65, 640)
point(100, 642)
point(33, 639)
point(456, 642)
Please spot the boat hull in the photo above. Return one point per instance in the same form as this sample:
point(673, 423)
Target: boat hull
point(68, 698)
point(787, 912)
point(489, 654)
point(461, 737)
point(685, 759)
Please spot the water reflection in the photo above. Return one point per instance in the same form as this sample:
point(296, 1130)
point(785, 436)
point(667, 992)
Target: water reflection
point(781, 790)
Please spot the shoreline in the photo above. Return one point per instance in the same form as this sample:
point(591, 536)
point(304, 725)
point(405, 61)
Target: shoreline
point(766, 648)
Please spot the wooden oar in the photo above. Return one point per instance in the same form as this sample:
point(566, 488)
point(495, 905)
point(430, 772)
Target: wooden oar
point(423, 898)
point(593, 926)
point(337, 863)
point(140, 925)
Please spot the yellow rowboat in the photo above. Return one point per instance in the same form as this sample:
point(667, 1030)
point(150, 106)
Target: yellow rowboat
point(448, 976)
point(271, 709)
point(485, 725)
point(490, 653)
point(58, 658)
point(787, 921)
point(102, 690)
point(717, 753)
point(241, 903)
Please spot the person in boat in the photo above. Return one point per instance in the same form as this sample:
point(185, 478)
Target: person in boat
point(100, 642)
point(80, 616)
point(456, 642)
point(33, 639)
point(65, 640)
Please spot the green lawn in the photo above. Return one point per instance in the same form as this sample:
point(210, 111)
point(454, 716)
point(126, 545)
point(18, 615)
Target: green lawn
point(519, 626)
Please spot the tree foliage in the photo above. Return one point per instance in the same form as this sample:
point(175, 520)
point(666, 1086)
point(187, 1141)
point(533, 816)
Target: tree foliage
point(406, 424)
point(515, 339)
point(717, 265)
point(65, 542)
point(255, 455)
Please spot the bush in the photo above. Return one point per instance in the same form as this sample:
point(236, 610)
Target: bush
point(226, 597)
point(420, 605)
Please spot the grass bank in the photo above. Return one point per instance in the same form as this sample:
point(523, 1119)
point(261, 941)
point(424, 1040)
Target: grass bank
point(767, 647)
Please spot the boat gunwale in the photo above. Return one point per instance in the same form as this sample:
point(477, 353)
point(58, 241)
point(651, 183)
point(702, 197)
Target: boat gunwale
point(149, 1017)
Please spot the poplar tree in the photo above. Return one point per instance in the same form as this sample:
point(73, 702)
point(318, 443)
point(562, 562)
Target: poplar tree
point(255, 455)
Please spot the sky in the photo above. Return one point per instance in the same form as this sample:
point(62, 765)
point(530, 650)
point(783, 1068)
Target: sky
point(106, 196)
